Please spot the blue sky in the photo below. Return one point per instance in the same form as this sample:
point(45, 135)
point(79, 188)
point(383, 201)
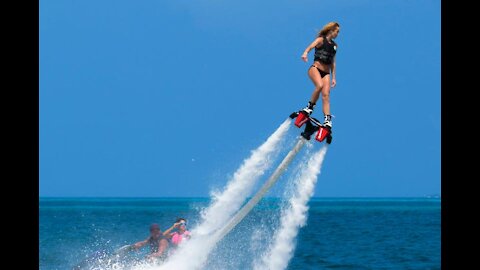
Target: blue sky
point(166, 98)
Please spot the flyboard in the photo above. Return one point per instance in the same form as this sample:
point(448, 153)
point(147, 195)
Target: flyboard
point(312, 126)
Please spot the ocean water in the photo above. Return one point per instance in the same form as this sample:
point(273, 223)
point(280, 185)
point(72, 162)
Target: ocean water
point(340, 233)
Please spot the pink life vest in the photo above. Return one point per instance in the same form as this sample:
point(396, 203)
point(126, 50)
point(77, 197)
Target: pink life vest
point(177, 237)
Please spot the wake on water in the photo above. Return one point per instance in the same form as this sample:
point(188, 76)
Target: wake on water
point(225, 205)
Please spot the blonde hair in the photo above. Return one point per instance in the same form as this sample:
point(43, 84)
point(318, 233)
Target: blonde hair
point(327, 28)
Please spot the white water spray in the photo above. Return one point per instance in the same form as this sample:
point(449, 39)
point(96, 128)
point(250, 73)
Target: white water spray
point(225, 204)
point(193, 254)
point(293, 217)
point(259, 195)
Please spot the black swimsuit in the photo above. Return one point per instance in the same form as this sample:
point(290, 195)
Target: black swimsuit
point(322, 73)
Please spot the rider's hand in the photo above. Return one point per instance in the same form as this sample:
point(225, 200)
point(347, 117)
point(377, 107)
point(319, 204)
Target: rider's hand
point(304, 57)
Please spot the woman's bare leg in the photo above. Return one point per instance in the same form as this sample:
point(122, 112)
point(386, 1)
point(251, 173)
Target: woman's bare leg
point(317, 82)
point(326, 95)
point(327, 120)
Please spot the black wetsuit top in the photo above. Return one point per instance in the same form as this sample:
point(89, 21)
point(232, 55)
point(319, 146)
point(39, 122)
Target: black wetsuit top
point(326, 52)
point(153, 243)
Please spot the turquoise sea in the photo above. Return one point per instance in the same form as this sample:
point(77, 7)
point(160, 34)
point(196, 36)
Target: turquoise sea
point(340, 233)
